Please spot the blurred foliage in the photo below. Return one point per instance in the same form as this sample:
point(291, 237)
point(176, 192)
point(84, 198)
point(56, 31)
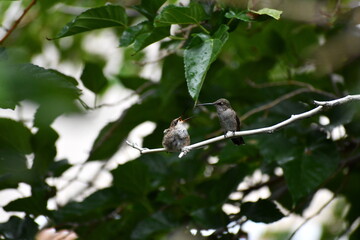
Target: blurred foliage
point(217, 49)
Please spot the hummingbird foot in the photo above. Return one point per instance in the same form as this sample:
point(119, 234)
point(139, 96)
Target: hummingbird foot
point(229, 133)
point(185, 150)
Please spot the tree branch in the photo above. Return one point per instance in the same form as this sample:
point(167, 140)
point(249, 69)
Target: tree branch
point(321, 105)
point(16, 23)
point(273, 103)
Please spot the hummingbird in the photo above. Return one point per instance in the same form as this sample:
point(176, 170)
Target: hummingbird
point(176, 137)
point(229, 121)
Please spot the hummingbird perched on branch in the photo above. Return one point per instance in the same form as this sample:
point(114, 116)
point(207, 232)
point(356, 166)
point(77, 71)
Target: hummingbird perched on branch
point(176, 137)
point(229, 121)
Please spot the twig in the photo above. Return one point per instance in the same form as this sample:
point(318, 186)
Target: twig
point(139, 90)
point(335, 194)
point(16, 23)
point(145, 150)
point(306, 88)
point(312, 216)
point(186, 32)
point(273, 103)
point(320, 107)
point(290, 82)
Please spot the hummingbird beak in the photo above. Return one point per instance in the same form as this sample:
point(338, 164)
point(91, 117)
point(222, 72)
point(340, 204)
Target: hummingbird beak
point(184, 120)
point(205, 104)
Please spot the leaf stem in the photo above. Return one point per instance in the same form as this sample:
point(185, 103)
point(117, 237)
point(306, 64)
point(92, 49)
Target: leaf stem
point(229, 22)
point(177, 37)
point(204, 29)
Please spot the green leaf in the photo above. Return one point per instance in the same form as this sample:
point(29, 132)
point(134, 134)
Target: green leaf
point(226, 183)
point(14, 144)
point(158, 222)
point(13, 168)
point(142, 35)
point(43, 143)
point(95, 18)
point(134, 82)
point(14, 135)
point(306, 171)
point(252, 15)
point(198, 56)
point(16, 228)
point(95, 206)
point(93, 77)
point(263, 210)
point(132, 179)
point(130, 34)
point(40, 85)
point(114, 133)
point(145, 39)
point(55, 92)
point(211, 217)
point(149, 7)
point(171, 14)
point(268, 12)
point(29, 205)
point(57, 168)
point(241, 15)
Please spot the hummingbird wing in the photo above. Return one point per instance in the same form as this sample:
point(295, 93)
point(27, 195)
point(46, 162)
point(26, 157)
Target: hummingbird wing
point(237, 123)
point(238, 140)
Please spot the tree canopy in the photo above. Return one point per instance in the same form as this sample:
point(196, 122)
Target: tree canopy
point(270, 59)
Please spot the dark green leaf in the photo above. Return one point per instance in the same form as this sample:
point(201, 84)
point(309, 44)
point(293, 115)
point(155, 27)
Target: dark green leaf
point(14, 144)
point(264, 211)
point(149, 7)
point(96, 206)
point(95, 18)
point(311, 168)
point(132, 178)
point(133, 83)
point(158, 222)
point(142, 35)
point(226, 184)
point(241, 15)
point(49, 111)
point(193, 14)
point(198, 56)
point(114, 133)
point(14, 135)
point(131, 33)
point(40, 85)
point(212, 217)
point(43, 143)
point(13, 168)
point(29, 205)
point(54, 91)
point(145, 39)
point(16, 228)
point(93, 77)
point(59, 167)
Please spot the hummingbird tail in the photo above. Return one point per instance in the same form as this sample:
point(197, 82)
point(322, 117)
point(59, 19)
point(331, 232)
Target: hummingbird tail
point(238, 140)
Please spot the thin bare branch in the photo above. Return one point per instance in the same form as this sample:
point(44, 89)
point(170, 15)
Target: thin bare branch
point(288, 83)
point(320, 107)
point(16, 23)
point(312, 216)
point(307, 219)
point(273, 103)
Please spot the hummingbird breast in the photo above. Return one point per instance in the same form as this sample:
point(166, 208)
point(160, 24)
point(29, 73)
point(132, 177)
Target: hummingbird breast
point(228, 120)
point(175, 139)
